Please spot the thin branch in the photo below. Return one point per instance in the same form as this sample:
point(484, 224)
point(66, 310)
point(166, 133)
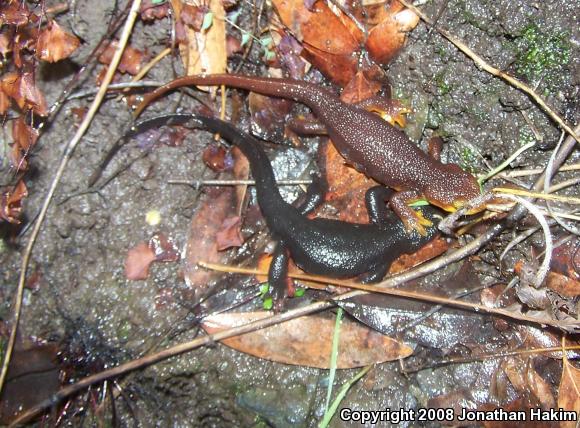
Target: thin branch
point(480, 62)
point(199, 183)
point(56, 180)
point(385, 288)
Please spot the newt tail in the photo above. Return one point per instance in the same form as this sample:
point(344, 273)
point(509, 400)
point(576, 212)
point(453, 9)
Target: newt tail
point(371, 145)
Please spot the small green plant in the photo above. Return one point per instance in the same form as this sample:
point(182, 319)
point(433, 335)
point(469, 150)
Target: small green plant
point(268, 302)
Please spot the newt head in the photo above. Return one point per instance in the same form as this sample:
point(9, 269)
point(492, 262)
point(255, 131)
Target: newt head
point(454, 190)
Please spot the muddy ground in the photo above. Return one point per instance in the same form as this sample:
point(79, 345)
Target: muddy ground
point(84, 302)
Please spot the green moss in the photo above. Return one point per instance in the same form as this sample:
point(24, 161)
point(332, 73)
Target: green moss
point(468, 159)
point(542, 55)
point(442, 85)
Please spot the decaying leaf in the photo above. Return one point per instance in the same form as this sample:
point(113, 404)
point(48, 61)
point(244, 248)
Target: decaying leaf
point(563, 285)
point(151, 10)
point(217, 205)
point(203, 50)
point(54, 43)
point(217, 158)
point(268, 116)
point(138, 261)
point(230, 234)
point(11, 203)
point(333, 43)
point(526, 380)
point(131, 60)
point(33, 376)
point(346, 186)
point(139, 258)
point(23, 135)
point(16, 13)
point(569, 391)
point(307, 341)
point(389, 35)
point(23, 90)
point(359, 88)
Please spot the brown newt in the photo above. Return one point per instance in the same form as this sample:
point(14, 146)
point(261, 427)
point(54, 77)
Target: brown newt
point(319, 246)
point(367, 142)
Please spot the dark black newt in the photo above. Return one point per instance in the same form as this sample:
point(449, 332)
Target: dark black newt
point(318, 246)
point(366, 141)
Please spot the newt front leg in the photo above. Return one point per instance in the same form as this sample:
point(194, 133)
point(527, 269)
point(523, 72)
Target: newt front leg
point(413, 220)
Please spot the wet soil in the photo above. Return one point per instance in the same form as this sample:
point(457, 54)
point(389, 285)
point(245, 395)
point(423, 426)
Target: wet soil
point(84, 302)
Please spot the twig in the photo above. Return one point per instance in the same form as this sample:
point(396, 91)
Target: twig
point(534, 210)
point(124, 85)
point(56, 180)
point(502, 354)
point(506, 163)
point(385, 287)
point(199, 183)
point(495, 71)
point(533, 171)
point(549, 197)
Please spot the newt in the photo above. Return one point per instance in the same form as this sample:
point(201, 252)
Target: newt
point(367, 142)
point(318, 246)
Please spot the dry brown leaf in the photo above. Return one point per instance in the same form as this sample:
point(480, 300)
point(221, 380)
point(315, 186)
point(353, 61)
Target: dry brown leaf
point(359, 89)
point(307, 341)
point(203, 51)
point(150, 11)
point(138, 261)
point(328, 44)
point(526, 380)
point(16, 13)
point(230, 234)
point(22, 89)
point(4, 102)
point(563, 285)
point(23, 135)
point(11, 203)
point(346, 186)
point(569, 391)
point(131, 60)
point(217, 205)
point(55, 44)
point(388, 37)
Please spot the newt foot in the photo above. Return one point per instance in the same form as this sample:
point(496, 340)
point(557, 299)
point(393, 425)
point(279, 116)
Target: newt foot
point(417, 222)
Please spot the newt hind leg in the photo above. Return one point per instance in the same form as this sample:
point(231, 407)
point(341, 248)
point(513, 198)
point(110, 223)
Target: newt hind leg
point(376, 199)
point(278, 277)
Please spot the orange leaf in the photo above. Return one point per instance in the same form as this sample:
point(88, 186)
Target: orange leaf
point(359, 88)
point(330, 43)
point(11, 203)
point(230, 234)
point(16, 13)
point(388, 37)
point(4, 102)
point(23, 90)
point(563, 285)
point(569, 391)
point(138, 260)
point(55, 44)
point(130, 61)
point(346, 186)
point(307, 341)
point(216, 206)
point(23, 135)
